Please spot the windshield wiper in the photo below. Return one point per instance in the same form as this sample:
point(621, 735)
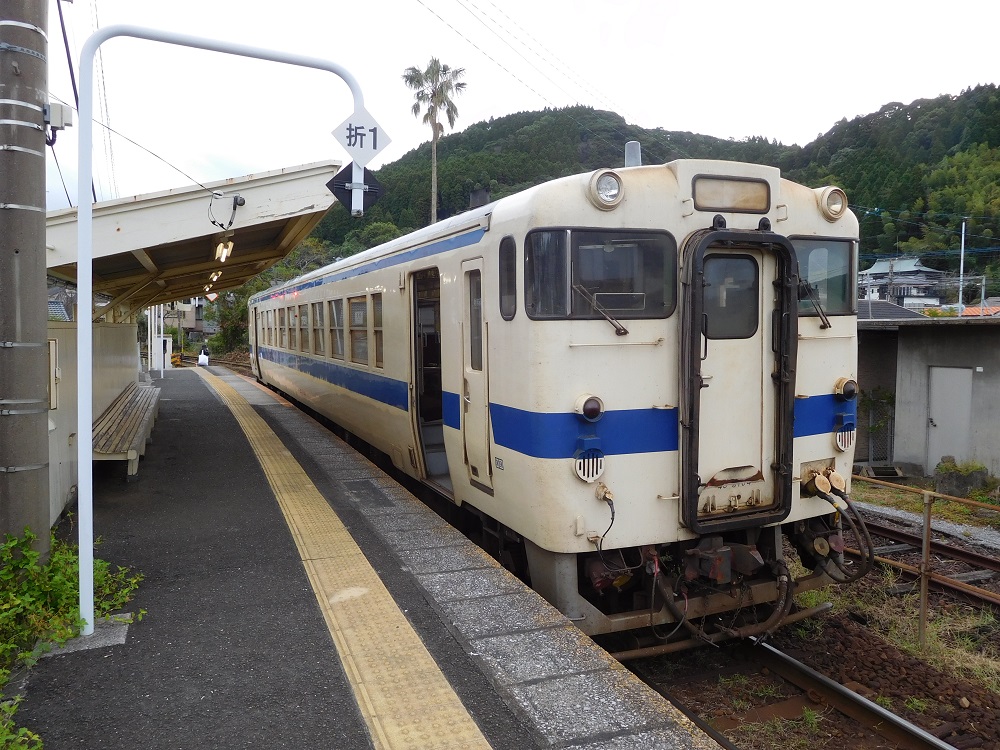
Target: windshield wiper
point(620, 330)
point(808, 291)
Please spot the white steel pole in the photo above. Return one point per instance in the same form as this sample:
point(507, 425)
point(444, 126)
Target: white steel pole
point(961, 273)
point(85, 283)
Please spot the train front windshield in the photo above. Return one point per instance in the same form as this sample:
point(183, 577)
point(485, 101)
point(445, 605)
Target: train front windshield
point(577, 273)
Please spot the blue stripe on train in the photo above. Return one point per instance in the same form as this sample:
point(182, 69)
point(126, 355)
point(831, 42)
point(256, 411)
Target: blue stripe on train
point(545, 435)
point(816, 415)
point(377, 387)
point(548, 435)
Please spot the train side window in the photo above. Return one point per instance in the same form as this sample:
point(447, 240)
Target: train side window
point(282, 333)
point(293, 326)
point(546, 274)
point(304, 327)
point(269, 318)
point(319, 332)
point(732, 299)
point(337, 329)
point(377, 328)
point(508, 278)
point(827, 265)
point(358, 309)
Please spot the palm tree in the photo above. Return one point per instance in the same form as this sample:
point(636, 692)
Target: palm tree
point(434, 89)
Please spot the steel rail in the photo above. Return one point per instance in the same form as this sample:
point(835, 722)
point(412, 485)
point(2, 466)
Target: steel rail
point(887, 724)
point(949, 585)
point(939, 548)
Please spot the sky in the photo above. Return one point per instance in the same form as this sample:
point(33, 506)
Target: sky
point(787, 70)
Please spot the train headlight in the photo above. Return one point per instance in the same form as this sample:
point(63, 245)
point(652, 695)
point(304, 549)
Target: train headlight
point(589, 407)
point(832, 202)
point(846, 389)
point(605, 190)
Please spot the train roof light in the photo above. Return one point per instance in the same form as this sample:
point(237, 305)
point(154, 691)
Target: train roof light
point(605, 190)
point(832, 203)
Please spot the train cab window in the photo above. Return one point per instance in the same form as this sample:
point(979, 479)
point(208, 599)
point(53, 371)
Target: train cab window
point(377, 329)
point(318, 330)
point(357, 308)
point(732, 299)
point(337, 328)
point(282, 332)
point(304, 327)
point(508, 278)
point(546, 277)
point(585, 274)
point(827, 265)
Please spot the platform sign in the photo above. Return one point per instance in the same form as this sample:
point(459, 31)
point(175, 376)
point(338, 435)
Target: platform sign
point(342, 186)
point(361, 136)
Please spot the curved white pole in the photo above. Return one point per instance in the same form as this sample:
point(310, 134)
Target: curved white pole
point(84, 268)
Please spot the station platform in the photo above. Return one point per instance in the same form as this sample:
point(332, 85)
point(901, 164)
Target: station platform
point(297, 597)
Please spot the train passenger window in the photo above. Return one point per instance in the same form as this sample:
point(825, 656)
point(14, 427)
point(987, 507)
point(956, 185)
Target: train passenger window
point(377, 328)
point(292, 327)
point(358, 309)
point(337, 329)
point(546, 278)
point(283, 336)
point(304, 327)
point(318, 332)
point(476, 321)
point(828, 266)
point(508, 278)
point(627, 274)
point(732, 306)
point(269, 317)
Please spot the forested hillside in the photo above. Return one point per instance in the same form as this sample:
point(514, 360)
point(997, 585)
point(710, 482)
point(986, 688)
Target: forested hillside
point(911, 171)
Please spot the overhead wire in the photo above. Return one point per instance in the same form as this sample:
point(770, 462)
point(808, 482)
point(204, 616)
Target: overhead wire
point(549, 102)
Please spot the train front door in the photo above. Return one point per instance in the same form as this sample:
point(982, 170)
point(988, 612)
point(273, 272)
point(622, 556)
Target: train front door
point(740, 385)
point(475, 402)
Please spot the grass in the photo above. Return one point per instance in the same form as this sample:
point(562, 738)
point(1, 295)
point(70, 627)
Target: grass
point(799, 734)
point(961, 640)
point(39, 608)
point(946, 510)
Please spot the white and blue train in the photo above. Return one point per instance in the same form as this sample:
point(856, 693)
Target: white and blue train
point(642, 382)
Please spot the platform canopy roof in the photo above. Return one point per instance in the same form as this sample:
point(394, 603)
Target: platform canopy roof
point(162, 247)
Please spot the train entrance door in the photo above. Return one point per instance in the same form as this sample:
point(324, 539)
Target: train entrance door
point(739, 385)
point(428, 408)
point(475, 383)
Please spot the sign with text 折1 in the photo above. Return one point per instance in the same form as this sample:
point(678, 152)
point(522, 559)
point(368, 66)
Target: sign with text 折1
point(361, 137)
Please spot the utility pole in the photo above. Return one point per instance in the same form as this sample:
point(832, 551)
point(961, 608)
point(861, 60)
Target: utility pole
point(961, 273)
point(24, 402)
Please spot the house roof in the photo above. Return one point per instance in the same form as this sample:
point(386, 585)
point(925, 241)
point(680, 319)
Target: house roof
point(897, 266)
point(161, 247)
point(977, 311)
point(878, 310)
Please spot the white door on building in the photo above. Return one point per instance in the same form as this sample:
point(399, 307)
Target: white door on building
point(949, 415)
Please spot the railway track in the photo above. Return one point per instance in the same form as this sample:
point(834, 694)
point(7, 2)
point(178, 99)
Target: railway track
point(235, 365)
point(846, 711)
point(983, 567)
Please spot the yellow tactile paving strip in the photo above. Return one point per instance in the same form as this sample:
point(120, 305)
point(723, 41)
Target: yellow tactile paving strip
point(403, 696)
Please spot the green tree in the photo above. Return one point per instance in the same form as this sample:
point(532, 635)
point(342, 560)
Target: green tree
point(434, 89)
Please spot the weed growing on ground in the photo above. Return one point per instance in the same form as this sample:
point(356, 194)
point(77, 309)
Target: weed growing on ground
point(39, 608)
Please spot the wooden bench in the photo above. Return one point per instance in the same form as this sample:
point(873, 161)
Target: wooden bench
point(122, 431)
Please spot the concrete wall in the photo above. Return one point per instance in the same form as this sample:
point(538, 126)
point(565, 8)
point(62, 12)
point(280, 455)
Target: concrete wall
point(116, 364)
point(923, 347)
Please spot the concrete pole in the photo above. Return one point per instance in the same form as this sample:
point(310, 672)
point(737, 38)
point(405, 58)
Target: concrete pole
point(24, 403)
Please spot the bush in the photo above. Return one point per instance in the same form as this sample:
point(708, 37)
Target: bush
point(39, 607)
